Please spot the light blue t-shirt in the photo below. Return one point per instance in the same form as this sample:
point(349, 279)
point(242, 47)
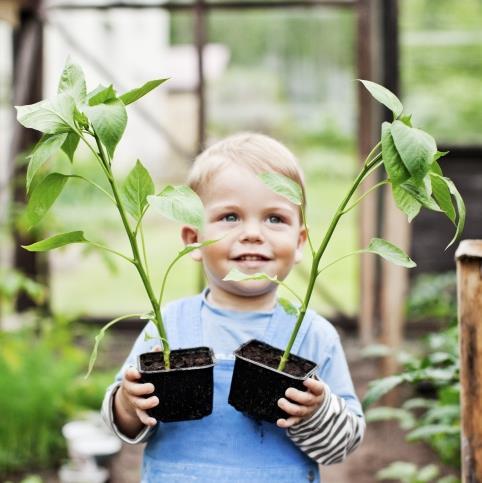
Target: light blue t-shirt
point(225, 330)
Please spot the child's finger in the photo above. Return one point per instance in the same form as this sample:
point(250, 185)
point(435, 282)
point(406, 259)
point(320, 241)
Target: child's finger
point(157, 348)
point(287, 423)
point(294, 409)
point(145, 418)
point(302, 397)
point(132, 374)
point(136, 389)
point(144, 403)
point(315, 387)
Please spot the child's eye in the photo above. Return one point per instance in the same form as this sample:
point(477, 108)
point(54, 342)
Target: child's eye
point(230, 218)
point(274, 219)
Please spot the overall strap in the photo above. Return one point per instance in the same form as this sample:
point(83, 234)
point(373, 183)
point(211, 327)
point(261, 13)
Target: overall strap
point(281, 325)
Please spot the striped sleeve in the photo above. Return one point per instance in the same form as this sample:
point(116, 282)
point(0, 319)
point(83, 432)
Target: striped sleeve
point(331, 433)
point(107, 413)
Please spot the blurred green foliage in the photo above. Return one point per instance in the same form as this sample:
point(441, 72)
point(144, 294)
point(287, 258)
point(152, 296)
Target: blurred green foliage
point(433, 414)
point(42, 387)
point(433, 297)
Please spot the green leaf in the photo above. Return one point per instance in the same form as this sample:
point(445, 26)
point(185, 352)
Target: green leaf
point(426, 432)
point(70, 145)
point(400, 471)
point(390, 252)
point(56, 241)
point(442, 195)
point(405, 418)
point(44, 150)
point(416, 148)
point(288, 307)
point(448, 479)
point(396, 170)
point(195, 246)
point(384, 96)
point(72, 81)
point(44, 196)
point(427, 473)
point(135, 94)
point(236, 275)
point(283, 186)
point(417, 191)
point(407, 119)
point(460, 208)
point(137, 187)
point(406, 202)
point(179, 203)
point(49, 116)
point(418, 403)
point(440, 154)
point(101, 95)
point(379, 387)
point(81, 119)
point(450, 412)
point(100, 336)
point(109, 121)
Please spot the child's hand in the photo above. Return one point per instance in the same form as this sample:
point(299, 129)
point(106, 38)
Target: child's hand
point(307, 402)
point(130, 396)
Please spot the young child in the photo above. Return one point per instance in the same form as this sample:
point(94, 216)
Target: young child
point(258, 231)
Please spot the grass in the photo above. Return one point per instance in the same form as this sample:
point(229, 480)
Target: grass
point(83, 283)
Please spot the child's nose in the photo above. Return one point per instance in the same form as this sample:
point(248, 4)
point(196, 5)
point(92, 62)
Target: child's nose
point(251, 232)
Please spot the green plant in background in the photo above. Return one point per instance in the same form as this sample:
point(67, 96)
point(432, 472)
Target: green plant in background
point(98, 118)
point(13, 282)
point(410, 473)
point(41, 380)
point(435, 417)
point(409, 158)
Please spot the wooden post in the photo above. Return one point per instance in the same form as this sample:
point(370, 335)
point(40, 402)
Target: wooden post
point(27, 89)
point(469, 295)
point(367, 137)
point(394, 279)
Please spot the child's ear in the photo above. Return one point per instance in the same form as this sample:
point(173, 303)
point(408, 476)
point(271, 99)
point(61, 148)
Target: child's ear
point(301, 243)
point(190, 235)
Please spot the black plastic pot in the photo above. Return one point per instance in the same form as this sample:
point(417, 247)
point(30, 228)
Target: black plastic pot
point(256, 387)
point(185, 392)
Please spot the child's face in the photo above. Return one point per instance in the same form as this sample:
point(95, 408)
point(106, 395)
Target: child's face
point(260, 231)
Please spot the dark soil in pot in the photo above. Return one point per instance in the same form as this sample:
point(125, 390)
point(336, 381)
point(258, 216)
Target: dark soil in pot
point(257, 385)
point(185, 391)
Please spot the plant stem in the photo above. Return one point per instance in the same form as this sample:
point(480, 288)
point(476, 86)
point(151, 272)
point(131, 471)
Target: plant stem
point(372, 152)
point(102, 247)
point(95, 185)
point(290, 290)
point(346, 210)
point(164, 280)
point(144, 252)
point(303, 215)
point(367, 166)
point(135, 252)
point(339, 259)
point(97, 156)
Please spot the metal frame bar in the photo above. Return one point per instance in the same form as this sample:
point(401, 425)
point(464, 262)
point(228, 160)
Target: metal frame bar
point(221, 5)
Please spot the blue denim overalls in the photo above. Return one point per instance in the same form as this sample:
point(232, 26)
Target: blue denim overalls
point(227, 446)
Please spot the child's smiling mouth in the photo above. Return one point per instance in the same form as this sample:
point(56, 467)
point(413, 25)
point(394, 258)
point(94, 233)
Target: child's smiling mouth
point(251, 260)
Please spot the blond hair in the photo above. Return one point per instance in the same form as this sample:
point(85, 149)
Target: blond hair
point(257, 152)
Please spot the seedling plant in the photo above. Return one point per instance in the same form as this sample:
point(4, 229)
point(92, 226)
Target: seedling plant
point(98, 119)
point(408, 158)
